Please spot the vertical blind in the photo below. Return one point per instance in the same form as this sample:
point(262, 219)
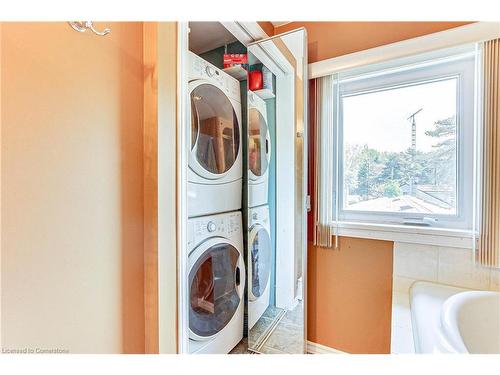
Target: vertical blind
point(323, 209)
point(488, 252)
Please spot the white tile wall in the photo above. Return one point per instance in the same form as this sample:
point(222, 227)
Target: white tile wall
point(446, 265)
point(401, 316)
point(416, 261)
point(402, 284)
point(456, 267)
point(401, 328)
point(495, 279)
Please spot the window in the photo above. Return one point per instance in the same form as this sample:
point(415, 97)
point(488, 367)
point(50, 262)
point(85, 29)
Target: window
point(405, 142)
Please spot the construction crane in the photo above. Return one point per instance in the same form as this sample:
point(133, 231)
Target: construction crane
point(411, 118)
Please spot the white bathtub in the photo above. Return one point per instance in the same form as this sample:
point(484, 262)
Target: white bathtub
point(446, 319)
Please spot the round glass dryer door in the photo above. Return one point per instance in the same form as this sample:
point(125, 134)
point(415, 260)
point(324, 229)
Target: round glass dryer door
point(258, 143)
point(213, 293)
point(260, 260)
point(215, 132)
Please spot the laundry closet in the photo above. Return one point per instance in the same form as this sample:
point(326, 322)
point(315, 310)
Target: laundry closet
point(243, 260)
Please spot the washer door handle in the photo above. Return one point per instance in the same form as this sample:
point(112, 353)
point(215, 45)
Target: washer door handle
point(239, 277)
point(268, 146)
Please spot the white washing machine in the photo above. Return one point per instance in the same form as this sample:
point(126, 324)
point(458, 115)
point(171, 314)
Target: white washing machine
point(216, 283)
point(215, 161)
point(259, 262)
point(259, 151)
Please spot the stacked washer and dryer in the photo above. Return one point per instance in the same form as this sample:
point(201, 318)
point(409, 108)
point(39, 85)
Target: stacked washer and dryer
point(259, 244)
point(216, 275)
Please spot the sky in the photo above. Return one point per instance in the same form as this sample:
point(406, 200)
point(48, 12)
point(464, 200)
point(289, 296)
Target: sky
point(379, 119)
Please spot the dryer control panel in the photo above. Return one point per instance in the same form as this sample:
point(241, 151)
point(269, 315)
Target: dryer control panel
point(202, 69)
point(224, 225)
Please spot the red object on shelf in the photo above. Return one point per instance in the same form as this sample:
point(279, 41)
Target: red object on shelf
point(255, 80)
point(235, 59)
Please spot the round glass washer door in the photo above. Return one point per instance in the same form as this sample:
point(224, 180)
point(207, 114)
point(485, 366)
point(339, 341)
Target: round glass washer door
point(259, 145)
point(215, 131)
point(216, 280)
point(259, 270)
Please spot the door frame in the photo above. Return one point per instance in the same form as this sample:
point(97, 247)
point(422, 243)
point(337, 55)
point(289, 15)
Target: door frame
point(160, 240)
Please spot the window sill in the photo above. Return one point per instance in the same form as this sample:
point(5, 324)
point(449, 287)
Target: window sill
point(406, 233)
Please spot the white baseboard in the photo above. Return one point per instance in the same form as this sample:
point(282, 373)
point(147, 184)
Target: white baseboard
point(314, 348)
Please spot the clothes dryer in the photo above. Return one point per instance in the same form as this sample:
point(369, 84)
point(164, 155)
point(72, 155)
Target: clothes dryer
point(215, 161)
point(259, 151)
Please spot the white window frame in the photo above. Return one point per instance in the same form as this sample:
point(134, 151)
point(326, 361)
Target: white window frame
point(458, 63)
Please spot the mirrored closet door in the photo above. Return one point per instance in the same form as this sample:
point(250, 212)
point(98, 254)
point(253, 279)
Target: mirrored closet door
point(275, 185)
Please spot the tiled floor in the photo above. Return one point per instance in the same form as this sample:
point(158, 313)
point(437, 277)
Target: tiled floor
point(241, 348)
point(401, 332)
point(288, 336)
point(258, 330)
point(263, 325)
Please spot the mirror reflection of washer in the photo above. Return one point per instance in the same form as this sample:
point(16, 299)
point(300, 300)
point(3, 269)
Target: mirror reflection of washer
point(215, 161)
point(259, 151)
point(216, 283)
point(259, 263)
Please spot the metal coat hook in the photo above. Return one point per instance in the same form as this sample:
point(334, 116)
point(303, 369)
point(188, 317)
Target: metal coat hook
point(82, 26)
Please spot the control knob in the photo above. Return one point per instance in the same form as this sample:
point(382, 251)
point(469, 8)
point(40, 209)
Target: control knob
point(210, 71)
point(211, 226)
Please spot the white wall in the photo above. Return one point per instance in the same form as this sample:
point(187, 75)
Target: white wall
point(444, 265)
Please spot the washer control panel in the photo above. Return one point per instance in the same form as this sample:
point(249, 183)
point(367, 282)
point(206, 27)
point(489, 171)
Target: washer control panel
point(258, 215)
point(201, 69)
point(224, 225)
point(211, 226)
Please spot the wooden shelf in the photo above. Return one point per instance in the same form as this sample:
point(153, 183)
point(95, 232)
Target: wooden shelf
point(237, 72)
point(264, 94)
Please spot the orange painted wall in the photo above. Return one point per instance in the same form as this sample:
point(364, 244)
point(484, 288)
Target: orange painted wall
point(332, 39)
point(72, 195)
point(267, 26)
point(350, 296)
